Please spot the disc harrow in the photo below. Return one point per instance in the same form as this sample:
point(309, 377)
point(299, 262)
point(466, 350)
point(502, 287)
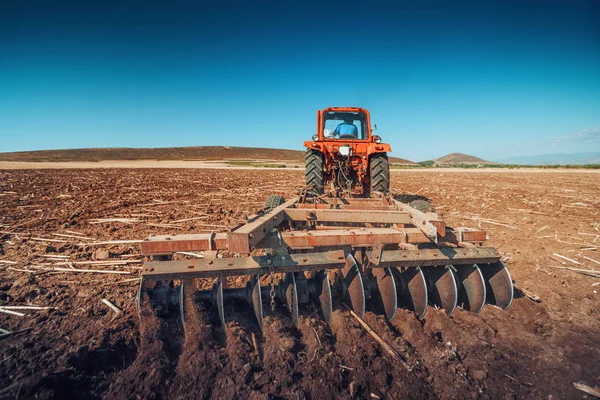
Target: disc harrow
point(375, 253)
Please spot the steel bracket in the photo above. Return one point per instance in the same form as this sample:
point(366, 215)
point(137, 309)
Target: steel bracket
point(375, 255)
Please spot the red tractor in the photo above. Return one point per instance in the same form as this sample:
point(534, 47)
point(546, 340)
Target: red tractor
point(345, 154)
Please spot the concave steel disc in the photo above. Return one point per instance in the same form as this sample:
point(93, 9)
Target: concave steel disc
point(218, 288)
point(471, 291)
point(139, 297)
point(256, 300)
point(499, 286)
point(384, 294)
point(181, 299)
point(353, 287)
point(291, 296)
point(442, 287)
point(412, 289)
point(323, 290)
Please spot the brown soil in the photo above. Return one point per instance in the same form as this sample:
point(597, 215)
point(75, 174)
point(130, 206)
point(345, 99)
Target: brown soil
point(82, 349)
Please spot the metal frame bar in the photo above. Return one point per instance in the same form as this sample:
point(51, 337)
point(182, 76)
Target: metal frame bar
point(168, 244)
point(344, 215)
point(213, 268)
point(329, 236)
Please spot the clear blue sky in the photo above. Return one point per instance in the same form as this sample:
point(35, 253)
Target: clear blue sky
point(492, 79)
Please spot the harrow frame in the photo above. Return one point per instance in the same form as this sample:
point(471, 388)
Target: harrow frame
point(385, 251)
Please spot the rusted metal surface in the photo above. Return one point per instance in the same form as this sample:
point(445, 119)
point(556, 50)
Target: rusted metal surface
point(345, 215)
point(243, 239)
point(345, 206)
point(346, 237)
point(459, 235)
point(234, 266)
point(439, 257)
point(168, 244)
point(157, 270)
point(325, 236)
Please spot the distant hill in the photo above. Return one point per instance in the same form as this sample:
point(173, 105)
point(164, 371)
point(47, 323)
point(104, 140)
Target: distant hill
point(203, 153)
point(401, 161)
point(556, 158)
point(208, 153)
point(459, 158)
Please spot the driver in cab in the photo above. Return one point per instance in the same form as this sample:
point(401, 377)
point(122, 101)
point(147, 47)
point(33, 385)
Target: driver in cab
point(344, 130)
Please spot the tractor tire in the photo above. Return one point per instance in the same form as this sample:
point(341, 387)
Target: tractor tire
point(313, 170)
point(273, 201)
point(380, 173)
point(422, 205)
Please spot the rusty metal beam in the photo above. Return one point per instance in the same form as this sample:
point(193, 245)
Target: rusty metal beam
point(345, 215)
point(243, 239)
point(439, 257)
point(168, 244)
point(342, 206)
point(345, 237)
point(235, 266)
point(328, 236)
point(465, 235)
point(213, 268)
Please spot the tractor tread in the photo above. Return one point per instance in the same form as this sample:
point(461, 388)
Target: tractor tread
point(380, 173)
point(314, 171)
point(273, 201)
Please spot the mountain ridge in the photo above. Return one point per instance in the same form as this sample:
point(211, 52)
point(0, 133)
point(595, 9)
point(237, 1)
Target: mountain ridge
point(203, 153)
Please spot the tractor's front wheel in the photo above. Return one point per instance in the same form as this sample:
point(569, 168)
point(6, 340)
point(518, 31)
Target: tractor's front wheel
point(313, 170)
point(380, 173)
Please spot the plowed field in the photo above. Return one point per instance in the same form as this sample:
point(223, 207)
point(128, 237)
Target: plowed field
point(51, 222)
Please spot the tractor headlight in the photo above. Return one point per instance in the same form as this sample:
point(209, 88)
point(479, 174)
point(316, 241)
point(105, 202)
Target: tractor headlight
point(344, 151)
point(315, 137)
point(377, 139)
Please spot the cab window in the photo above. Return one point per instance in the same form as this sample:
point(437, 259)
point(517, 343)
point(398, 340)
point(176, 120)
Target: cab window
point(344, 125)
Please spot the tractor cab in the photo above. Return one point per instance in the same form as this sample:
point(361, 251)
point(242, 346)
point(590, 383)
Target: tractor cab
point(345, 125)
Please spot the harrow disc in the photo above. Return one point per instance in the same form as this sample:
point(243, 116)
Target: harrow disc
point(218, 298)
point(291, 295)
point(471, 291)
point(320, 280)
point(352, 286)
point(412, 289)
point(255, 295)
point(498, 283)
point(442, 287)
point(184, 287)
point(139, 297)
point(384, 292)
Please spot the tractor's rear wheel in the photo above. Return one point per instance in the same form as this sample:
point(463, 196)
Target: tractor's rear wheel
point(380, 173)
point(314, 172)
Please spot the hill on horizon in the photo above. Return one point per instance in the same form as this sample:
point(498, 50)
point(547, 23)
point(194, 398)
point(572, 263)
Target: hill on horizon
point(460, 158)
point(202, 153)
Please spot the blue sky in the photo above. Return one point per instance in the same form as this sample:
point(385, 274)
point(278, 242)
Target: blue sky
point(492, 79)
